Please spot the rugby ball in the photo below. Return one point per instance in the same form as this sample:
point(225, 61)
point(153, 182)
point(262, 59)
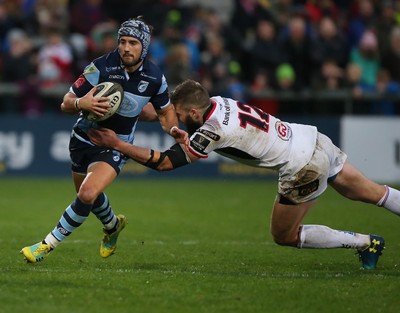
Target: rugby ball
point(112, 90)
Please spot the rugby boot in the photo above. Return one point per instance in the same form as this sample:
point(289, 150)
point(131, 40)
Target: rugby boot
point(369, 256)
point(109, 241)
point(36, 253)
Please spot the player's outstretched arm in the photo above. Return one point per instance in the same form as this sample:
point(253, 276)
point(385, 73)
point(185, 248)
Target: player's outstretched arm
point(174, 157)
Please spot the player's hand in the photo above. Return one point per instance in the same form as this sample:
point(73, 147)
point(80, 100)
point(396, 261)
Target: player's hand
point(103, 137)
point(180, 136)
point(97, 105)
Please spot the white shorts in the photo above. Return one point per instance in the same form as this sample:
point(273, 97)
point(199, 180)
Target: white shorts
point(312, 180)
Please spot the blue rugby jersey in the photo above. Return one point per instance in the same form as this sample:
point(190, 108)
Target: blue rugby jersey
point(146, 84)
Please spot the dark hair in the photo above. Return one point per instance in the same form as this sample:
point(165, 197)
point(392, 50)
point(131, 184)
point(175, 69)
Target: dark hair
point(190, 94)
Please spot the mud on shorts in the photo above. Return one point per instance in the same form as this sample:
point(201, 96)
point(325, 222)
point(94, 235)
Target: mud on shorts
point(312, 180)
point(83, 155)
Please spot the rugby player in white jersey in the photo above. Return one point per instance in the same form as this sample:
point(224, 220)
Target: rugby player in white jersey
point(306, 161)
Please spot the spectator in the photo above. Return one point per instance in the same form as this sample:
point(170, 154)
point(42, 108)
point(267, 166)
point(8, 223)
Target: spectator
point(313, 37)
point(317, 10)
point(391, 57)
point(80, 51)
point(329, 77)
point(193, 39)
point(19, 67)
point(297, 46)
point(6, 24)
point(265, 53)
point(386, 21)
point(285, 77)
point(171, 35)
point(281, 12)
point(85, 14)
point(103, 38)
point(353, 79)
point(55, 60)
point(243, 18)
point(328, 44)
point(18, 59)
point(52, 14)
point(214, 27)
point(366, 55)
point(215, 64)
point(260, 85)
point(364, 19)
point(329, 57)
point(235, 88)
point(177, 64)
point(357, 88)
point(385, 87)
point(286, 86)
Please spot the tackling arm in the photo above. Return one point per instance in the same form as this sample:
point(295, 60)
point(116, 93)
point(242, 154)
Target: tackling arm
point(174, 157)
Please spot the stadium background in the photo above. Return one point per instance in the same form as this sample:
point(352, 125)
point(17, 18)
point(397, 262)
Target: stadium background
point(194, 245)
point(335, 64)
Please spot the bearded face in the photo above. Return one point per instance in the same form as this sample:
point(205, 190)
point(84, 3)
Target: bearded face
point(129, 49)
point(191, 125)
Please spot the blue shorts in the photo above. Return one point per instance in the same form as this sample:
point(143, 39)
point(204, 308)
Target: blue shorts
point(83, 154)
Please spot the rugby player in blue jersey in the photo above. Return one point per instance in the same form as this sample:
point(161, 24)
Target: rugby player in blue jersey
point(95, 168)
point(306, 161)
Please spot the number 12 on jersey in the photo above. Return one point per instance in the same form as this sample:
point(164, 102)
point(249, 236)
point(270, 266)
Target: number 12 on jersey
point(253, 116)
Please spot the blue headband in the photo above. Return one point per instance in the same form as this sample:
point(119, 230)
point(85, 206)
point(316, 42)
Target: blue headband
point(139, 30)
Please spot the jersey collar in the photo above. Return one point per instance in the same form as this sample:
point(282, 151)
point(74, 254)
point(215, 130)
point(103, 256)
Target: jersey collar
point(210, 110)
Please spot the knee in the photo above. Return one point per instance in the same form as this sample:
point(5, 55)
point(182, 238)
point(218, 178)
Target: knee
point(279, 241)
point(87, 194)
point(284, 239)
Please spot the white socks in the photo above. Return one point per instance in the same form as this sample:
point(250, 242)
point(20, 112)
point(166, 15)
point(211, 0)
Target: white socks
point(323, 237)
point(51, 240)
point(391, 200)
point(111, 224)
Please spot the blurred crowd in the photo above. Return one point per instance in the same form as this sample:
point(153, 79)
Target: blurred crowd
point(236, 48)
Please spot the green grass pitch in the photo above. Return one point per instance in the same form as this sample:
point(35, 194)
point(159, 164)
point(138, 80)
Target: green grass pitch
point(189, 246)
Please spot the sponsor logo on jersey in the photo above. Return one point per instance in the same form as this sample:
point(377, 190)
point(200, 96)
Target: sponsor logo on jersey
point(142, 86)
point(283, 130)
point(116, 77)
point(80, 81)
point(148, 76)
point(199, 143)
point(113, 68)
point(227, 112)
point(209, 134)
point(90, 69)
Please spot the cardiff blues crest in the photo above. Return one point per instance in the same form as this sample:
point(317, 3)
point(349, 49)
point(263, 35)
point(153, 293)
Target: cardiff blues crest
point(142, 86)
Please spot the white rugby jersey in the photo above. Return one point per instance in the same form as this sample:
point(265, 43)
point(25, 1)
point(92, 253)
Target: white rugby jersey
point(253, 137)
